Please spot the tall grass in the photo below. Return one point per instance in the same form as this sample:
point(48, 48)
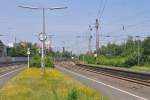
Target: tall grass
point(102, 60)
point(53, 85)
point(117, 61)
point(125, 62)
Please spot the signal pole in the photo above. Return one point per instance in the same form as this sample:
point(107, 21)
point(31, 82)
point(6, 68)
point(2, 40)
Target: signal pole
point(97, 35)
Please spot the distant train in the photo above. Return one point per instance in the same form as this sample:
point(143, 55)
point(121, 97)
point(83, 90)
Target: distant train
point(5, 60)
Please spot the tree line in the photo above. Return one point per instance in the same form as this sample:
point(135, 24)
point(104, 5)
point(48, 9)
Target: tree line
point(131, 53)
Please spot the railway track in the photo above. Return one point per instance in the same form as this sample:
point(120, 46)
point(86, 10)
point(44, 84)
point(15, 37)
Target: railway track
point(4, 68)
point(136, 77)
point(9, 64)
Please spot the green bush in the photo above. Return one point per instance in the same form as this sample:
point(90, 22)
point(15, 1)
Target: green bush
point(88, 59)
point(132, 60)
point(147, 63)
point(36, 61)
point(49, 62)
point(116, 61)
point(148, 59)
point(73, 95)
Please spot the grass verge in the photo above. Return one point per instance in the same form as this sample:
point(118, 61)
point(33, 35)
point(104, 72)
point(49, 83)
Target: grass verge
point(31, 84)
point(140, 69)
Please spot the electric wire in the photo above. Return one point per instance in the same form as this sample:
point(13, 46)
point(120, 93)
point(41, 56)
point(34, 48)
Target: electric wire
point(101, 14)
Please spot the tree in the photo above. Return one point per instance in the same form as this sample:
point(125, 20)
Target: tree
point(130, 52)
point(110, 50)
point(146, 46)
point(20, 49)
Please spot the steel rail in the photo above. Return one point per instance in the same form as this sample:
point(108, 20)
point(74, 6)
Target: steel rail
point(136, 77)
point(8, 68)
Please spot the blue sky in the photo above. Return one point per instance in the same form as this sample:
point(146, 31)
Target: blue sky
point(66, 24)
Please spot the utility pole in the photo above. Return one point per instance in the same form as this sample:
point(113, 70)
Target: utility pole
point(63, 48)
point(14, 37)
point(43, 36)
point(97, 35)
point(90, 47)
point(138, 38)
point(15, 42)
point(90, 40)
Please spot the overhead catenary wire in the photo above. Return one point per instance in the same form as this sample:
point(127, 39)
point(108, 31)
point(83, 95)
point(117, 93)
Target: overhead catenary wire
point(130, 26)
point(138, 14)
point(99, 7)
point(102, 10)
point(126, 27)
point(97, 24)
point(123, 28)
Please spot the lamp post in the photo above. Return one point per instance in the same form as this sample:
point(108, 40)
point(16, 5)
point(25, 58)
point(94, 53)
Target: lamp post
point(42, 36)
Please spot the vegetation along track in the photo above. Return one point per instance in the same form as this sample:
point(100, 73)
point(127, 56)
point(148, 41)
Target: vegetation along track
point(136, 77)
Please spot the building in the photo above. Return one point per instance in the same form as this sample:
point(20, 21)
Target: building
point(3, 49)
point(48, 46)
